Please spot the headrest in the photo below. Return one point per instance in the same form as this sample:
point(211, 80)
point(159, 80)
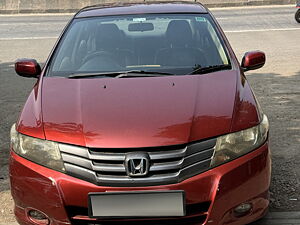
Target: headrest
point(179, 33)
point(108, 36)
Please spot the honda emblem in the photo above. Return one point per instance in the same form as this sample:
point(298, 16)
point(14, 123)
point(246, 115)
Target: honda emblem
point(137, 164)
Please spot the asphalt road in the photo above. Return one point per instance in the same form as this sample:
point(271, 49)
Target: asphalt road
point(270, 29)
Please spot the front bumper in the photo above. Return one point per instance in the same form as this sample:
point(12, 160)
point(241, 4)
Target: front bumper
point(210, 196)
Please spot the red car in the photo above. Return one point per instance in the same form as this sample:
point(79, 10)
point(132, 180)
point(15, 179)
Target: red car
point(141, 115)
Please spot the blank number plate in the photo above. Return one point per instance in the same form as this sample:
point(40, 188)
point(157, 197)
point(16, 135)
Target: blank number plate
point(136, 204)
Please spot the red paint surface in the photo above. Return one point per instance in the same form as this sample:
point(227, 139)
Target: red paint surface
point(138, 112)
point(246, 113)
point(255, 59)
point(27, 67)
point(30, 121)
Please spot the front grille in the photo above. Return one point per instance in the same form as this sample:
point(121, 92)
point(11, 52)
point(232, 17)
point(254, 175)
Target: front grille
point(168, 165)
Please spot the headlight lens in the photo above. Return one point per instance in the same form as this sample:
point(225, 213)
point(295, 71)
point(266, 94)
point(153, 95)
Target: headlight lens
point(43, 152)
point(234, 145)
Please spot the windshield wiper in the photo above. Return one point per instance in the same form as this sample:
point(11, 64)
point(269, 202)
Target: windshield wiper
point(210, 69)
point(120, 74)
point(141, 73)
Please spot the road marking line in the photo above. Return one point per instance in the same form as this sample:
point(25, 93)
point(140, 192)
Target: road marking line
point(37, 14)
point(32, 23)
point(251, 7)
point(222, 18)
point(262, 30)
point(27, 38)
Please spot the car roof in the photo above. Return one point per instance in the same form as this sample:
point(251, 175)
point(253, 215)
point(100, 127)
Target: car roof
point(146, 7)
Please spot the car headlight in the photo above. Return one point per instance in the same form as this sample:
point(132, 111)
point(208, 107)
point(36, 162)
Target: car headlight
point(43, 152)
point(234, 145)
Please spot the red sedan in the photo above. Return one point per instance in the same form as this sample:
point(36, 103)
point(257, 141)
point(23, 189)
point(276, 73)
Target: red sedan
point(141, 115)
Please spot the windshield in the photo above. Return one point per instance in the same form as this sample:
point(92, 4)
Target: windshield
point(166, 43)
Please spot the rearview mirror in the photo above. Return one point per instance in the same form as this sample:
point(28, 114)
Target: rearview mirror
point(253, 60)
point(140, 27)
point(27, 68)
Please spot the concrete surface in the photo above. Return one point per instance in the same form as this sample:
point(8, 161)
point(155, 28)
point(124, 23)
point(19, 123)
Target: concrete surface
point(280, 218)
point(270, 29)
point(50, 6)
point(274, 218)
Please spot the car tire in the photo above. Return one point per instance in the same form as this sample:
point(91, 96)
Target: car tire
point(297, 16)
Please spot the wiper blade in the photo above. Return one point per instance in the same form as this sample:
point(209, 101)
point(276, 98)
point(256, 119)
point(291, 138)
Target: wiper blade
point(119, 74)
point(141, 73)
point(84, 75)
point(209, 69)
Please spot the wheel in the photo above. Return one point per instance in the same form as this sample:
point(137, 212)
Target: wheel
point(297, 16)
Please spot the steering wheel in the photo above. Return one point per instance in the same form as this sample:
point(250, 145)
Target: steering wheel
point(107, 57)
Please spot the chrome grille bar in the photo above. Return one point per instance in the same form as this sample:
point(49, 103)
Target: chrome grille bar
point(167, 164)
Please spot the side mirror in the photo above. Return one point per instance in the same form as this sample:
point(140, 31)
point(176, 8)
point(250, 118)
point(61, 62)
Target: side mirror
point(253, 60)
point(27, 68)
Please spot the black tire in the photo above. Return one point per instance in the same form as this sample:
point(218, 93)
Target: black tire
point(297, 16)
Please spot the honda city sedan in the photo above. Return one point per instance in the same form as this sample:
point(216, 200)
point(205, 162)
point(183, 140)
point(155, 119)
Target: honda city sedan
point(142, 114)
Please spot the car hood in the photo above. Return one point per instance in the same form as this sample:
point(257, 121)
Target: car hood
point(138, 112)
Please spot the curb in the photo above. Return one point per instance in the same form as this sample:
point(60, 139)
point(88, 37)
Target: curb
point(209, 5)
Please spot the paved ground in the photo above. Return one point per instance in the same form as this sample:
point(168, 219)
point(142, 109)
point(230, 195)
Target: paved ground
point(271, 29)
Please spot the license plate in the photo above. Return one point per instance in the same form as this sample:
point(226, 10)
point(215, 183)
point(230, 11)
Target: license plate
point(137, 204)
